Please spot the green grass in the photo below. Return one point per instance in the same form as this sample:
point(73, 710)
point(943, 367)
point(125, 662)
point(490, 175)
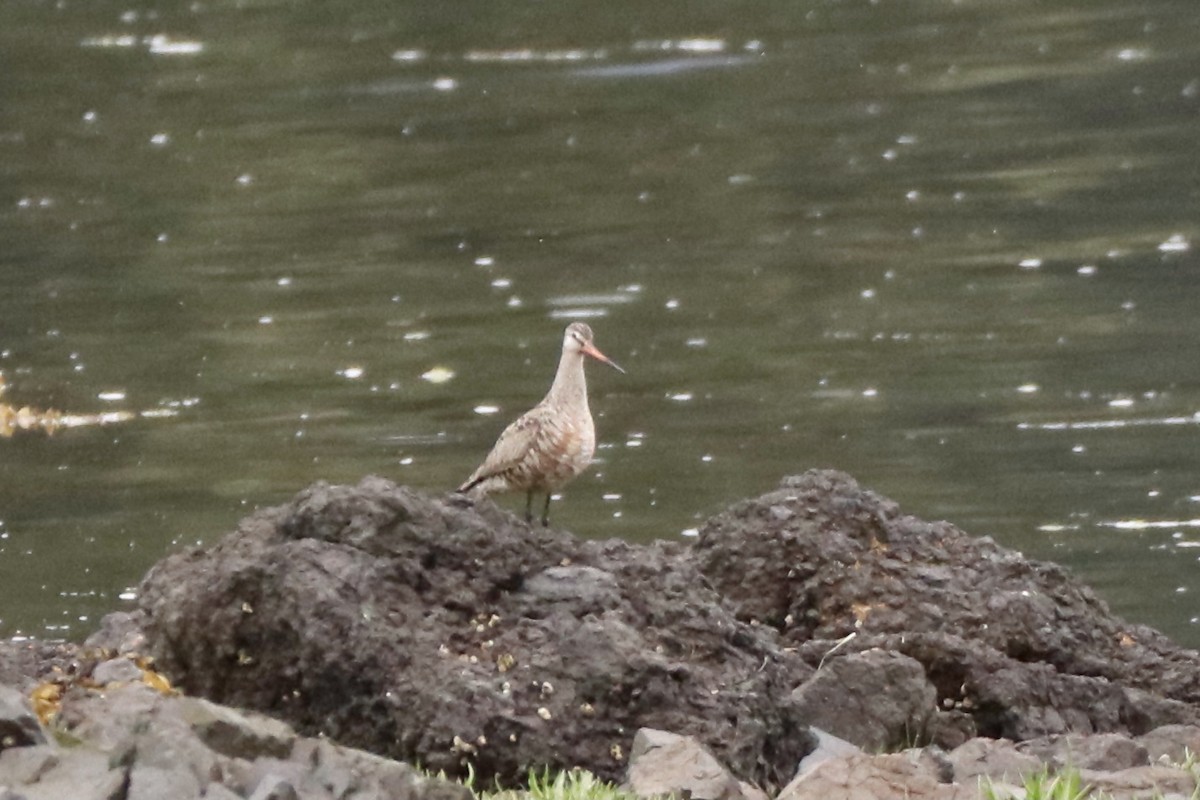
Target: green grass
point(1042, 785)
point(574, 784)
point(1065, 785)
point(579, 784)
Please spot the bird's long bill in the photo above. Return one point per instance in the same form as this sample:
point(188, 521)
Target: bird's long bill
point(590, 350)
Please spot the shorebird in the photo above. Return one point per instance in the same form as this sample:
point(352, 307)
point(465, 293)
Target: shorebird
point(551, 443)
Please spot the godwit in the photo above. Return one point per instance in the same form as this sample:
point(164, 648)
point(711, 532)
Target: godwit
point(551, 443)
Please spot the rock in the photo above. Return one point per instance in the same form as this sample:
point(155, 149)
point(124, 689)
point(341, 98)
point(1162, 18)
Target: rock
point(236, 734)
point(828, 747)
point(950, 729)
point(877, 699)
point(21, 765)
point(117, 670)
point(663, 763)
point(1018, 645)
point(427, 631)
point(129, 741)
point(881, 777)
point(80, 774)
point(1172, 743)
point(18, 726)
point(577, 590)
point(1141, 782)
point(1108, 752)
point(23, 665)
point(934, 760)
point(995, 759)
point(157, 783)
point(120, 632)
point(217, 791)
point(275, 787)
point(751, 792)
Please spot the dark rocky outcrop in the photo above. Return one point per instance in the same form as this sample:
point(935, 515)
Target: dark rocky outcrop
point(426, 629)
point(1018, 646)
point(429, 630)
point(411, 627)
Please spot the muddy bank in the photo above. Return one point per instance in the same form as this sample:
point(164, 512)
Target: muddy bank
point(426, 630)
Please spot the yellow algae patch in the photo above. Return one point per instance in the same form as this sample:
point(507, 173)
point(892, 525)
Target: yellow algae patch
point(46, 699)
point(50, 420)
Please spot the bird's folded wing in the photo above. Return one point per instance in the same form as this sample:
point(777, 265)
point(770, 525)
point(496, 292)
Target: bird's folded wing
point(512, 448)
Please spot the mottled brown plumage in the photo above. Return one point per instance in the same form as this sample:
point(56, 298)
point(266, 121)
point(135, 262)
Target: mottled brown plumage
point(552, 442)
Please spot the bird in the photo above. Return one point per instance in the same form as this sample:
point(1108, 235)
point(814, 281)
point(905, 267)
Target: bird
point(552, 443)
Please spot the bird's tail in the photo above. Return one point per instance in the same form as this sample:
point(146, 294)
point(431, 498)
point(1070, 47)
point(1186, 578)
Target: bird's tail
point(469, 485)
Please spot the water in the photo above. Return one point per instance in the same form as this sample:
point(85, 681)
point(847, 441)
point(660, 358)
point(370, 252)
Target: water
point(947, 247)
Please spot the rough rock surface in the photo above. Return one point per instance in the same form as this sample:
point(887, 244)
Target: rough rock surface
point(1103, 751)
point(23, 663)
point(878, 699)
point(875, 777)
point(958, 775)
point(993, 759)
point(129, 742)
point(828, 747)
point(427, 630)
point(662, 763)
point(18, 726)
point(1017, 646)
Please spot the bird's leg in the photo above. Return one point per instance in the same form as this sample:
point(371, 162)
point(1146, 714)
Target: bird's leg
point(546, 512)
point(529, 508)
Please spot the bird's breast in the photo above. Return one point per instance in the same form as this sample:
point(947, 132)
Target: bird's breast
point(564, 450)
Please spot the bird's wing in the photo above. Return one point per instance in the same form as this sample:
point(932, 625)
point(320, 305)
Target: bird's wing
point(510, 449)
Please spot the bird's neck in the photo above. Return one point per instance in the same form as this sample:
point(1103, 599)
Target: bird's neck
point(569, 389)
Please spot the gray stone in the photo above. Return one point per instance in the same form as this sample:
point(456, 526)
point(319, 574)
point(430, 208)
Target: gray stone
point(235, 733)
point(275, 787)
point(995, 759)
point(128, 741)
point(828, 746)
point(107, 720)
point(20, 765)
point(18, 726)
point(1172, 743)
point(1142, 783)
point(117, 670)
point(217, 791)
point(752, 792)
point(663, 763)
point(882, 777)
point(935, 760)
point(84, 774)
point(950, 729)
point(584, 589)
point(157, 783)
point(876, 699)
point(1102, 751)
point(119, 632)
